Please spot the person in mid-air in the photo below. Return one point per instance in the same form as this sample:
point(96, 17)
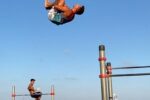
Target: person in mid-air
point(34, 93)
point(60, 13)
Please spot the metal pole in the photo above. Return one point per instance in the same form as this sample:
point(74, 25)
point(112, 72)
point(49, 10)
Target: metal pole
point(52, 92)
point(13, 93)
point(110, 87)
point(134, 74)
point(131, 67)
point(103, 74)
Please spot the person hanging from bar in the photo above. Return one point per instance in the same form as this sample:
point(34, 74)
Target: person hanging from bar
point(35, 93)
point(59, 13)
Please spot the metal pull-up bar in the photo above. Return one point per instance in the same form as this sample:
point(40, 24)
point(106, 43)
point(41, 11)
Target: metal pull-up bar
point(132, 67)
point(134, 74)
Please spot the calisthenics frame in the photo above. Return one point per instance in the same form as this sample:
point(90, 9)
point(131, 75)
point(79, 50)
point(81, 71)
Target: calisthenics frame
point(106, 74)
point(14, 95)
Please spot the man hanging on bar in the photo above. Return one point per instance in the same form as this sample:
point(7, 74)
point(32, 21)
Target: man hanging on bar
point(33, 92)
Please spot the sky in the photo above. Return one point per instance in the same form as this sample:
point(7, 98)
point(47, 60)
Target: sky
point(66, 55)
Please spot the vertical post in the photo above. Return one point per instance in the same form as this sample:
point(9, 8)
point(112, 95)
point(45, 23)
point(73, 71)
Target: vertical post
point(103, 75)
point(52, 92)
point(110, 87)
point(13, 92)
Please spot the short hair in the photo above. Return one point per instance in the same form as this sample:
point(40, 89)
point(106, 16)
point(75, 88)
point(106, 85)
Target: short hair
point(32, 79)
point(81, 11)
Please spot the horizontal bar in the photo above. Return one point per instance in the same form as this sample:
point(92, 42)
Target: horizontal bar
point(22, 95)
point(46, 94)
point(30, 95)
point(134, 74)
point(132, 67)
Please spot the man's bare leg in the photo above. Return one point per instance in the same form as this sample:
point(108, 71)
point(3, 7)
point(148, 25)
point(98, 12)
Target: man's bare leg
point(60, 2)
point(37, 98)
point(48, 4)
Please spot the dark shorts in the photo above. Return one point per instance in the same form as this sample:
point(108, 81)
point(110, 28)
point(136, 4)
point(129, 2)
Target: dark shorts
point(36, 95)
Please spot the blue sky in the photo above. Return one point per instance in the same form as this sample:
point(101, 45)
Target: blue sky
point(66, 56)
